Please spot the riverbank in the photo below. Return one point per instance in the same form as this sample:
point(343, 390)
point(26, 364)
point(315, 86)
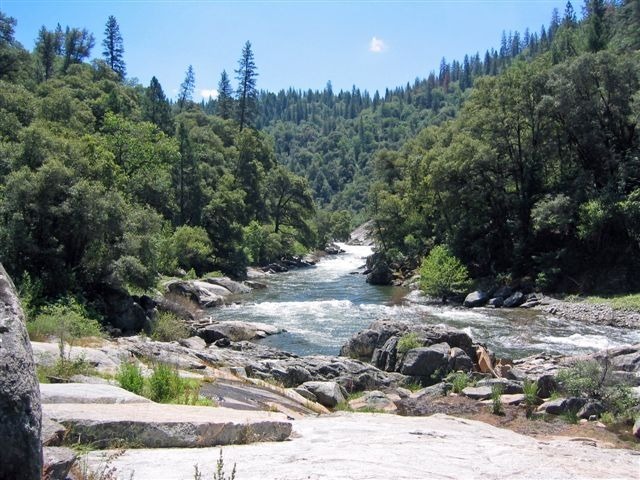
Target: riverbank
point(588, 311)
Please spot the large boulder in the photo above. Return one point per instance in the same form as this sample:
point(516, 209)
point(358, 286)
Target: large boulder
point(476, 299)
point(20, 410)
point(57, 462)
point(514, 300)
point(361, 345)
point(232, 286)
point(205, 294)
point(378, 270)
point(236, 331)
point(122, 311)
point(426, 362)
point(329, 394)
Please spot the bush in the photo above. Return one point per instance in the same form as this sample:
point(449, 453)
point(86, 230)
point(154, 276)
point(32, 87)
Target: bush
point(130, 377)
point(408, 342)
point(459, 381)
point(442, 274)
point(165, 384)
point(67, 320)
point(168, 328)
point(496, 402)
point(192, 248)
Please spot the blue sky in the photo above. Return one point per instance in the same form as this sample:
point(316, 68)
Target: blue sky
point(370, 44)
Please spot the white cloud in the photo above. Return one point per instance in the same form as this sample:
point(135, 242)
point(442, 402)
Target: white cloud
point(377, 45)
point(213, 93)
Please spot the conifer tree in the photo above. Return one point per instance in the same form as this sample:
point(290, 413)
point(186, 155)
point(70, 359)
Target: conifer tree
point(225, 97)
point(113, 47)
point(186, 89)
point(47, 47)
point(156, 106)
point(77, 46)
point(247, 94)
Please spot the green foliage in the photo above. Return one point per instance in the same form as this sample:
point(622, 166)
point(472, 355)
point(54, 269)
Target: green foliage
point(496, 403)
point(459, 381)
point(442, 274)
point(408, 342)
point(584, 378)
point(530, 390)
point(167, 327)
point(64, 368)
point(192, 248)
point(164, 384)
point(129, 376)
point(219, 473)
point(66, 320)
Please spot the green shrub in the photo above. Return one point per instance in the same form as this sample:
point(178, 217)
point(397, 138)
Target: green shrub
point(459, 381)
point(496, 403)
point(130, 377)
point(408, 342)
point(167, 327)
point(582, 379)
point(192, 248)
point(165, 384)
point(63, 369)
point(66, 319)
point(530, 390)
point(442, 274)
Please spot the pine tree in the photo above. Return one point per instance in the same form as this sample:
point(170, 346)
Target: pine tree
point(156, 106)
point(186, 89)
point(246, 93)
point(113, 47)
point(570, 20)
point(46, 51)
point(596, 35)
point(77, 46)
point(225, 97)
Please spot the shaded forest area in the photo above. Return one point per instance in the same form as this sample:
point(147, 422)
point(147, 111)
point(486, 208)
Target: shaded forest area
point(523, 161)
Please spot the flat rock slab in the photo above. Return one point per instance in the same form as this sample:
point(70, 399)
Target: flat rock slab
point(153, 425)
point(378, 446)
point(87, 393)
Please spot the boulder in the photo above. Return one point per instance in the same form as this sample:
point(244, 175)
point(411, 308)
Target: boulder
point(52, 432)
point(476, 299)
point(194, 343)
point(385, 358)
point(155, 425)
point(503, 292)
point(547, 384)
point(236, 331)
point(57, 462)
point(122, 311)
point(361, 345)
point(514, 300)
point(593, 408)
point(20, 411)
point(509, 387)
point(328, 394)
point(255, 285)
point(563, 405)
point(636, 428)
point(232, 286)
point(205, 294)
point(460, 361)
point(333, 249)
point(477, 393)
point(87, 393)
point(427, 361)
point(496, 302)
point(374, 401)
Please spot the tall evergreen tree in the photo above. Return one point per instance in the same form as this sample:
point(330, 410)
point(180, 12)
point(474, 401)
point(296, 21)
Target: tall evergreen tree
point(596, 35)
point(186, 89)
point(224, 107)
point(113, 47)
point(156, 106)
point(570, 20)
point(247, 94)
point(47, 47)
point(77, 46)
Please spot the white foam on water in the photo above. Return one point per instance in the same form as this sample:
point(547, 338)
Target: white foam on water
point(596, 342)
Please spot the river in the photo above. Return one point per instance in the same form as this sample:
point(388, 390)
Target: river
point(323, 306)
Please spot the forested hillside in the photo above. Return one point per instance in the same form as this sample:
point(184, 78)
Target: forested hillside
point(538, 175)
point(523, 161)
point(107, 184)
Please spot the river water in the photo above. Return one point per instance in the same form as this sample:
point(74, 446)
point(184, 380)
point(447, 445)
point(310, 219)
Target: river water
point(323, 306)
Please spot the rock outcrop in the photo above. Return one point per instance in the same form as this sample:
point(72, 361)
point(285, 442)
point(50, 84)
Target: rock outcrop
point(20, 411)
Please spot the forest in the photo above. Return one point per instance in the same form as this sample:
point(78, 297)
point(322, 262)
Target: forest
point(524, 162)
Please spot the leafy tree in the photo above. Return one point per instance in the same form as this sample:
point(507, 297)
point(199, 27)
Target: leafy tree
point(246, 94)
point(186, 89)
point(289, 199)
point(442, 274)
point(113, 47)
point(225, 97)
